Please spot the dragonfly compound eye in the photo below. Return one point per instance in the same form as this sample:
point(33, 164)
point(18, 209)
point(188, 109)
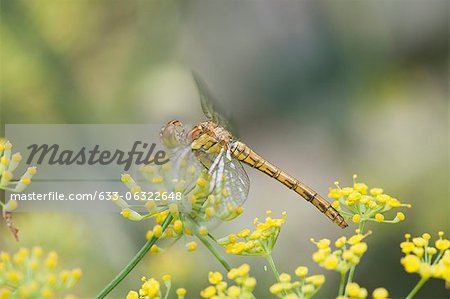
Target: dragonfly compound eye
point(172, 134)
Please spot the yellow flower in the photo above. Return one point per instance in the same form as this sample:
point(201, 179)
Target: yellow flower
point(353, 289)
point(33, 275)
point(323, 243)
point(208, 292)
point(400, 216)
point(360, 207)
point(154, 249)
point(178, 226)
point(306, 286)
point(425, 270)
point(379, 217)
point(335, 193)
point(244, 284)
point(442, 244)
point(181, 292)
point(259, 242)
point(344, 257)
point(8, 164)
point(132, 295)
point(234, 291)
point(203, 231)
point(376, 191)
point(411, 263)
point(157, 230)
point(347, 191)
point(380, 293)
point(360, 187)
point(215, 277)
point(407, 247)
point(359, 248)
point(150, 288)
point(191, 246)
point(276, 288)
point(188, 186)
point(284, 277)
point(420, 242)
point(420, 257)
point(316, 280)
point(340, 242)
point(331, 262)
point(356, 218)
point(301, 271)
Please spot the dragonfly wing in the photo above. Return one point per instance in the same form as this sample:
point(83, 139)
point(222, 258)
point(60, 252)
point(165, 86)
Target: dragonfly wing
point(228, 187)
point(213, 185)
point(177, 175)
point(209, 105)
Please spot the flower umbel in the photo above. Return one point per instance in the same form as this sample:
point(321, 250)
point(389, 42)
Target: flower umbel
point(305, 287)
point(8, 163)
point(151, 289)
point(426, 260)
point(30, 274)
point(348, 252)
point(186, 193)
point(354, 291)
point(259, 242)
point(241, 289)
point(361, 204)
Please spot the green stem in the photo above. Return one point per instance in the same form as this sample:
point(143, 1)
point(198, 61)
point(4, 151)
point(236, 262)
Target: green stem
point(341, 284)
point(416, 288)
point(216, 254)
point(351, 274)
point(133, 262)
point(273, 267)
point(352, 269)
point(361, 227)
point(274, 270)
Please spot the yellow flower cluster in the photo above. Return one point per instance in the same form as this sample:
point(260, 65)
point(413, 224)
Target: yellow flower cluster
point(427, 260)
point(219, 289)
point(304, 288)
point(348, 252)
point(195, 205)
point(354, 291)
point(8, 163)
point(29, 274)
point(362, 204)
point(151, 289)
point(259, 242)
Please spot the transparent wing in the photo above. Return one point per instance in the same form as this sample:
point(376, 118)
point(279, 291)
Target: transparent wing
point(228, 186)
point(213, 185)
point(209, 105)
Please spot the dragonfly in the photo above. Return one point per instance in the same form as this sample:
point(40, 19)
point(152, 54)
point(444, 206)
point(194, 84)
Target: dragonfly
point(212, 145)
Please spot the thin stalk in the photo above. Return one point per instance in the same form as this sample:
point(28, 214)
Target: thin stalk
point(361, 227)
point(352, 269)
point(341, 285)
point(216, 254)
point(133, 262)
point(351, 273)
point(273, 267)
point(416, 288)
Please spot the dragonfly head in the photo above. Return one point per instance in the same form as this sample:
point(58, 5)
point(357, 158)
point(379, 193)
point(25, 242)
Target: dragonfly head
point(172, 134)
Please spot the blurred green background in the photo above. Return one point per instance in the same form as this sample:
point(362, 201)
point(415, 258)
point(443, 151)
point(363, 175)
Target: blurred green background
point(324, 89)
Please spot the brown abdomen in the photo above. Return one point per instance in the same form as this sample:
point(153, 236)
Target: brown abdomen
point(246, 155)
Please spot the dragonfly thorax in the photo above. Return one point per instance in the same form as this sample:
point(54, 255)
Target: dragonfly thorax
point(209, 133)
